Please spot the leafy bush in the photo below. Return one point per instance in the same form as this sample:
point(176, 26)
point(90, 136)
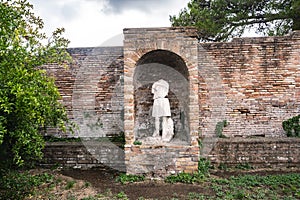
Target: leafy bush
point(17, 185)
point(29, 100)
point(292, 126)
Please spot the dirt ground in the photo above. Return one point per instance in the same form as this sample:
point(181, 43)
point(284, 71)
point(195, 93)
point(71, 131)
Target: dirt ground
point(104, 180)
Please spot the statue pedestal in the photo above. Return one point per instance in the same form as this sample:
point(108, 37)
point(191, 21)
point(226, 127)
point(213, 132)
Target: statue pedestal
point(161, 159)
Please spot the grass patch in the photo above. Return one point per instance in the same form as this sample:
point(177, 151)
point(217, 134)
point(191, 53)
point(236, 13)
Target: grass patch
point(17, 185)
point(257, 187)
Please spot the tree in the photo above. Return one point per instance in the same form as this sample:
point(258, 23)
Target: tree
point(29, 99)
point(221, 20)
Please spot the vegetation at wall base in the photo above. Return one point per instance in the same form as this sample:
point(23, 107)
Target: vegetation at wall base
point(129, 178)
point(292, 126)
point(197, 177)
point(29, 99)
point(184, 177)
point(137, 142)
point(61, 139)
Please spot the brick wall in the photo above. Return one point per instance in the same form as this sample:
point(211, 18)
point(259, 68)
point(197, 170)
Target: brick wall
point(253, 83)
point(257, 152)
point(92, 90)
point(84, 155)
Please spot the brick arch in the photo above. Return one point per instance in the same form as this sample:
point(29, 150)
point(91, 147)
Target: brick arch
point(142, 42)
point(141, 47)
point(165, 57)
point(151, 67)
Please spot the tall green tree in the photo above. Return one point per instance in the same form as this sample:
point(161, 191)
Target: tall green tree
point(29, 99)
point(221, 20)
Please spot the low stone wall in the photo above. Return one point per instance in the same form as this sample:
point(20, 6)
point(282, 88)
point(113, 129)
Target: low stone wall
point(257, 152)
point(162, 160)
point(84, 155)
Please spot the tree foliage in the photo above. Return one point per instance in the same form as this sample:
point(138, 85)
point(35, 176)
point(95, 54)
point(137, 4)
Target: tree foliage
point(29, 99)
point(221, 20)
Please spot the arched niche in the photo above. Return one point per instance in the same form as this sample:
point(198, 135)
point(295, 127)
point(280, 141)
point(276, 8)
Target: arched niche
point(151, 67)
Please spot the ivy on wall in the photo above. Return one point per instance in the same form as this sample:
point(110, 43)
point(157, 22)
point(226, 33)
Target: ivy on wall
point(292, 126)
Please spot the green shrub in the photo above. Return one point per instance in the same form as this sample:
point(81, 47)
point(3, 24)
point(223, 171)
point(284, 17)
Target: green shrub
point(129, 178)
point(292, 126)
point(137, 142)
point(17, 185)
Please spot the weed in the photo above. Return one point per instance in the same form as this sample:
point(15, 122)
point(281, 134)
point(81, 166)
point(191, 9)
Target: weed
point(219, 128)
point(185, 178)
point(122, 195)
point(87, 184)
point(137, 142)
point(223, 166)
point(292, 126)
point(257, 187)
point(70, 184)
point(89, 198)
point(194, 196)
point(203, 166)
point(71, 197)
point(244, 166)
point(129, 178)
point(118, 138)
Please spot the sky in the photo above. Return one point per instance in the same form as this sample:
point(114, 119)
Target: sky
point(91, 23)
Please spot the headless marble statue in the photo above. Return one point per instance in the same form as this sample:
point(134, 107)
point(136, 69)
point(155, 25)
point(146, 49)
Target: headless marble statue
point(161, 108)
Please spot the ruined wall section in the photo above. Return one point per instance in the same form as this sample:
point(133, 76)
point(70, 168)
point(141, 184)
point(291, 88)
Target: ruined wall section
point(92, 90)
point(256, 152)
point(253, 83)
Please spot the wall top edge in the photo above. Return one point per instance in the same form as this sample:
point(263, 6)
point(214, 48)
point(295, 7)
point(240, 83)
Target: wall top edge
point(160, 29)
point(96, 47)
point(295, 36)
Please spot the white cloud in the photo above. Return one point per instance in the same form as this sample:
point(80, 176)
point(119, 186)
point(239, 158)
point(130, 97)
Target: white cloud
point(91, 23)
